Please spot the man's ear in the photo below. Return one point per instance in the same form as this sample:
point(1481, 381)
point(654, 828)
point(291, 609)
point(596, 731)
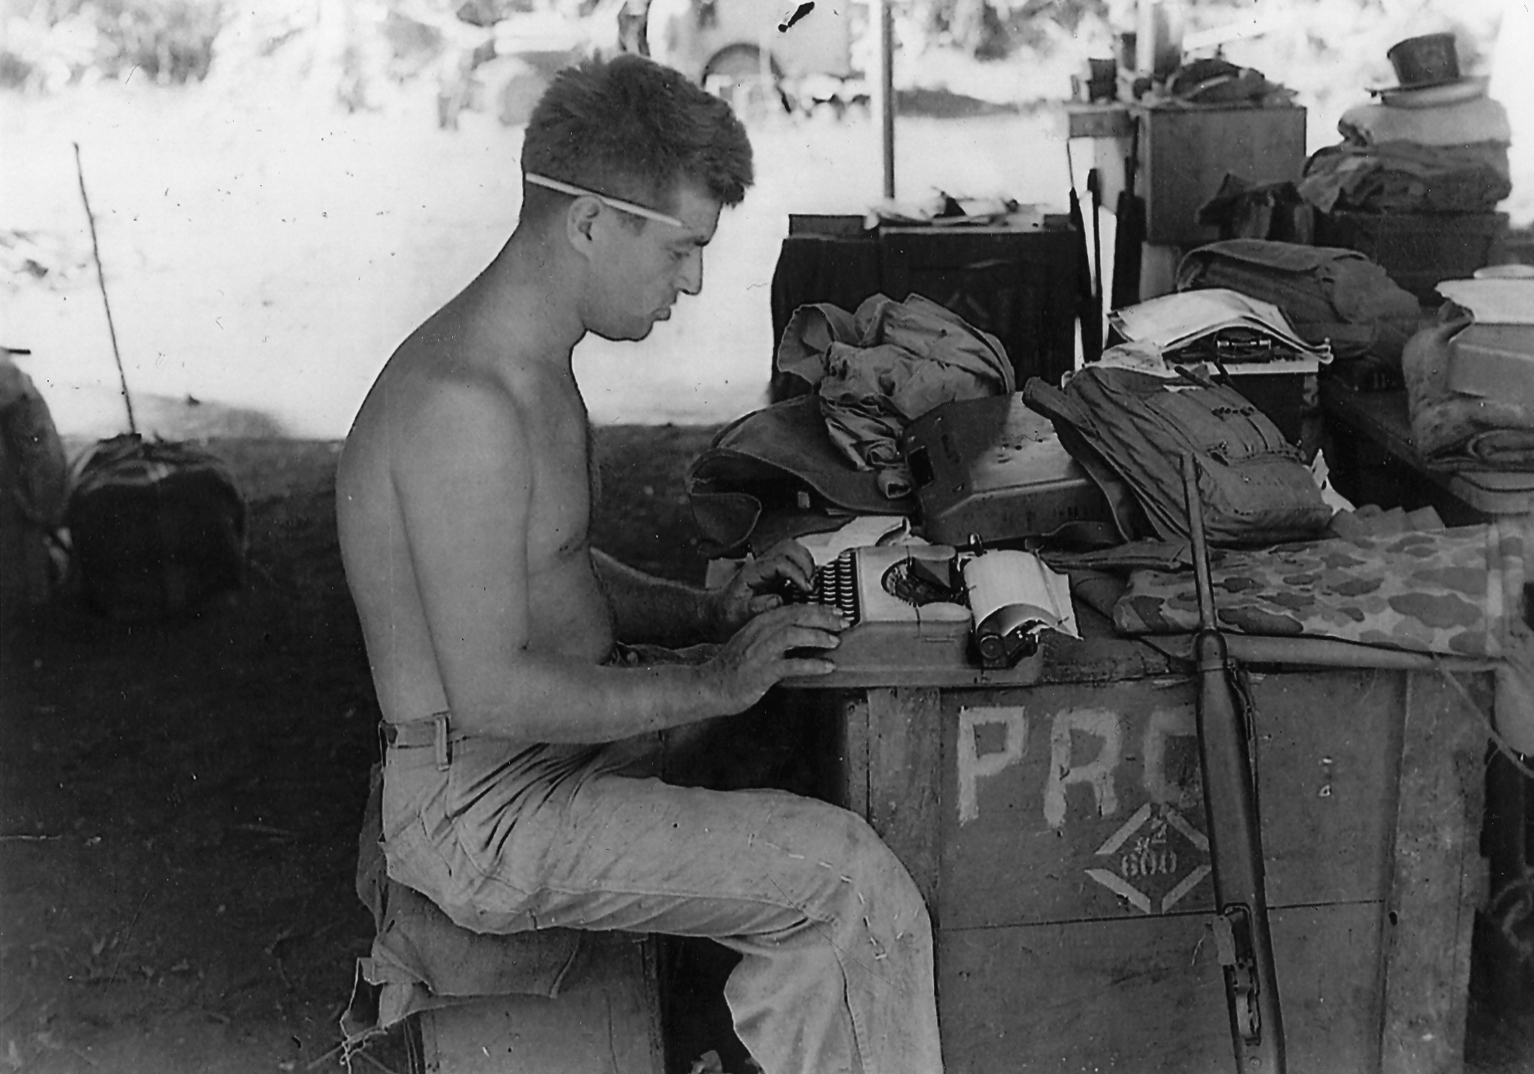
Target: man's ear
point(581, 225)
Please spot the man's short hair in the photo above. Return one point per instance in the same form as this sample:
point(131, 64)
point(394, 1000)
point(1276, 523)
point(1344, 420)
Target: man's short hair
point(631, 128)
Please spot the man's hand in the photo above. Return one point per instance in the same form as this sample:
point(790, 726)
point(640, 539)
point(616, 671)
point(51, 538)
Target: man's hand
point(778, 644)
point(759, 586)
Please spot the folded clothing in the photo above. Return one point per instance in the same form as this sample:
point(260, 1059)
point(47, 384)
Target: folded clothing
point(1480, 119)
point(880, 368)
point(1458, 431)
point(1402, 176)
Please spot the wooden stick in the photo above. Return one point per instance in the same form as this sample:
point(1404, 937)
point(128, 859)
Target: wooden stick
point(101, 281)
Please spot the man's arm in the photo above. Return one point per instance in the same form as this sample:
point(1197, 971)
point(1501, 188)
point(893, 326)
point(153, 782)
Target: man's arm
point(466, 522)
point(647, 609)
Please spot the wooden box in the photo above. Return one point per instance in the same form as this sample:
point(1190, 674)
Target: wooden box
point(1057, 830)
point(1188, 151)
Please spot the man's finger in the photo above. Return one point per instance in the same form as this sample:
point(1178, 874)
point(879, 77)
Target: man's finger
point(799, 556)
point(765, 628)
point(764, 602)
point(780, 574)
point(822, 616)
point(808, 638)
point(798, 667)
point(790, 559)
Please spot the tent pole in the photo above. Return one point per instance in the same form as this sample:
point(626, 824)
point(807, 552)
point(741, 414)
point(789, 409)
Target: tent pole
point(885, 12)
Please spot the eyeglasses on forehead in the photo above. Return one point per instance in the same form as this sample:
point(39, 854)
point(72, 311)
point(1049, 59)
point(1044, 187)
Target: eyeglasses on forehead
point(616, 203)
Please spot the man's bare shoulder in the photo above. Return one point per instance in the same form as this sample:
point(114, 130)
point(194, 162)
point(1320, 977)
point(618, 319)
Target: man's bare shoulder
point(428, 398)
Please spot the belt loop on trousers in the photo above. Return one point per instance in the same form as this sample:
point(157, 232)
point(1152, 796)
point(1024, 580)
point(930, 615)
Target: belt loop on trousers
point(444, 747)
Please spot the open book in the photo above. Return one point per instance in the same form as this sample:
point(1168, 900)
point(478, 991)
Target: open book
point(1173, 322)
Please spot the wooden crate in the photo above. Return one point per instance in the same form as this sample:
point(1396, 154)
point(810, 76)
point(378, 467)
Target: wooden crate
point(1189, 151)
point(606, 1020)
point(1057, 831)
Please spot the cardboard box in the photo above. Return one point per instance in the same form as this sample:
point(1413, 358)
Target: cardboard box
point(1494, 361)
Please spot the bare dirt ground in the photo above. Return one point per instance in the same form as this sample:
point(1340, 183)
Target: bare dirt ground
point(179, 801)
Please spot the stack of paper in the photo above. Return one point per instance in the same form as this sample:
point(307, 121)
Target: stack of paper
point(942, 209)
point(1493, 301)
point(1172, 322)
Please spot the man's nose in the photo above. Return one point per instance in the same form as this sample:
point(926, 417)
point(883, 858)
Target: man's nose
point(692, 273)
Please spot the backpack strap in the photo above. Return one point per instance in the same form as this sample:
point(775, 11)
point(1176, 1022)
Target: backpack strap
point(1073, 424)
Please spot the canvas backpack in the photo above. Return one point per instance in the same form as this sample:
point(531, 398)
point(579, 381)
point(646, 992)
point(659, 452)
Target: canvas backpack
point(1131, 428)
point(156, 527)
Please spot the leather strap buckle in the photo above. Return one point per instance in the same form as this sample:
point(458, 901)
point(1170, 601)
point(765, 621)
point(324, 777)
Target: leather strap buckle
point(434, 732)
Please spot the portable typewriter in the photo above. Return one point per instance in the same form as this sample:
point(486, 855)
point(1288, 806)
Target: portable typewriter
point(905, 606)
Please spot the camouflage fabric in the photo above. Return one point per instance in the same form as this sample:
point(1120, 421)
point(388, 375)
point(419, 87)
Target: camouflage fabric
point(1454, 592)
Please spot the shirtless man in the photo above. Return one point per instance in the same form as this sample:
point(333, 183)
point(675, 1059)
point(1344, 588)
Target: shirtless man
point(464, 505)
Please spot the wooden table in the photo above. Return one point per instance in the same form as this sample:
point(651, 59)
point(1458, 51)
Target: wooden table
point(1053, 817)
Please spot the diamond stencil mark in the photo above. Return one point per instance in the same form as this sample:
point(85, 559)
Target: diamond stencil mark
point(1189, 883)
point(1189, 832)
point(1118, 838)
point(1122, 888)
point(1157, 851)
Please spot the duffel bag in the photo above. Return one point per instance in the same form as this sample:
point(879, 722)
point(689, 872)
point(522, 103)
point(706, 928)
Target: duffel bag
point(1328, 294)
point(156, 527)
